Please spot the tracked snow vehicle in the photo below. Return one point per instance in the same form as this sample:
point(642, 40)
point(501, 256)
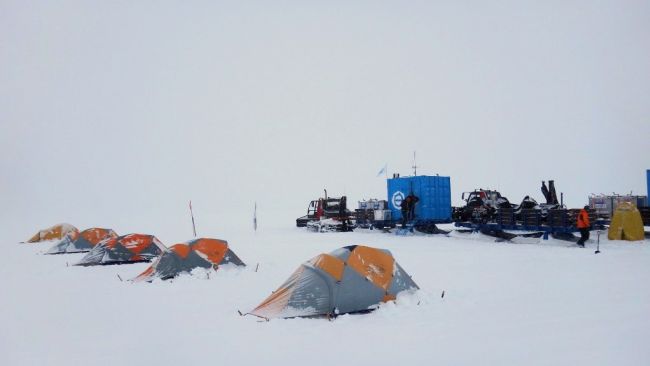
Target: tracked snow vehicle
point(327, 214)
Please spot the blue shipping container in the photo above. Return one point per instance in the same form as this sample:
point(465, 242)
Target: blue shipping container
point(434, 193)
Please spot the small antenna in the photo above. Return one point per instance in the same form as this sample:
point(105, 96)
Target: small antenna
point(415, 166)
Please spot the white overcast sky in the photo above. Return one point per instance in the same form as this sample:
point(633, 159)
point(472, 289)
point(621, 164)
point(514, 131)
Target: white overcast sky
point(119, 112)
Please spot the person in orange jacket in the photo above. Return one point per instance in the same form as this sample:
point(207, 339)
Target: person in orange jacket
point(583, 225)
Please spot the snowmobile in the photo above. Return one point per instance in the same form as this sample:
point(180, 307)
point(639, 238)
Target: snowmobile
point(529, 203)
point(481, 206)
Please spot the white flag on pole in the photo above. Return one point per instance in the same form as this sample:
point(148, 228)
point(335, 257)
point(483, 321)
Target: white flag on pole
point(383, 170)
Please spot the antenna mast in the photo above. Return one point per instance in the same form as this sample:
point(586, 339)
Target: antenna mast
point(415, 167)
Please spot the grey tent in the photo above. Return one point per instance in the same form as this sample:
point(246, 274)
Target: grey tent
point(83, 241)
point(347, 280)
point(124, 249)
point(184, 257)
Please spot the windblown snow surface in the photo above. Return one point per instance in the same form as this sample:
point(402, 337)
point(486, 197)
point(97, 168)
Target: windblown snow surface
point(540, 303)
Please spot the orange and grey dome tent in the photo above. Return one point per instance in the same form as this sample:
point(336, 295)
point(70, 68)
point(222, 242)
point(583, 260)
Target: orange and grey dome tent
point(129, 248)
point(184, 257)
point(626, 223)
point(82, 242)
point(350, 279)
point(54, 232)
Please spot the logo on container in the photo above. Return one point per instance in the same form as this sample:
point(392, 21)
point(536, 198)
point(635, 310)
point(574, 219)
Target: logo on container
point(397, 199)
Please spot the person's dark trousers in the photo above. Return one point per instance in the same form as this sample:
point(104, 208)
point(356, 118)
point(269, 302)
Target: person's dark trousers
point(584, 236)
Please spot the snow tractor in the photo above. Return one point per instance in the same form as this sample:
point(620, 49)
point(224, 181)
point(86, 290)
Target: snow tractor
point(327, 214)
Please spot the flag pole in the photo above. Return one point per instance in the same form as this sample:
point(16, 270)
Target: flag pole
point(255, 218)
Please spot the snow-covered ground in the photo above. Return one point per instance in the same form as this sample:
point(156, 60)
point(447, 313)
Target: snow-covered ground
point(544, 303)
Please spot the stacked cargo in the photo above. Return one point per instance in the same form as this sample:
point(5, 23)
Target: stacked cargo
point(373, 213)
point(604, 205)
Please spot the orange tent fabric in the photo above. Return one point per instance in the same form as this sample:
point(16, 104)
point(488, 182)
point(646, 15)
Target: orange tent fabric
point(129, 248)
point(55, 232)
point(184, 257)
point(83, 241)
point(350, 279)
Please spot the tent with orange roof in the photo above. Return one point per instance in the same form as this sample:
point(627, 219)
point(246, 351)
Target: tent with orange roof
point(184, 257)
point(350, 279)
point(55, 232)
point(82, 242)
point(129, 248)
